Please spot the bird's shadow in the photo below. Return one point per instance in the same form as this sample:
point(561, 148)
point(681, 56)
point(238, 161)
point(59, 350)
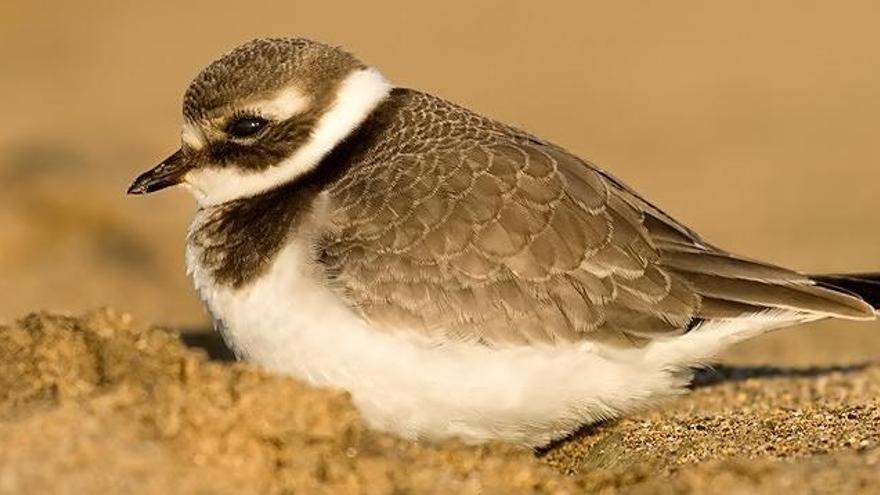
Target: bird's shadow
point(722, 373)
point(209, 341)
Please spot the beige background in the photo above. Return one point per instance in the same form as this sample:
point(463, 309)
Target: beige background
point(753, 122)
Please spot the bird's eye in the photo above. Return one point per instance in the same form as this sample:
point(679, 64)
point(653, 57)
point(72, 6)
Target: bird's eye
point(245, 126)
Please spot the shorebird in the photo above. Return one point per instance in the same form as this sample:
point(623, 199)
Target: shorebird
point(458, 276)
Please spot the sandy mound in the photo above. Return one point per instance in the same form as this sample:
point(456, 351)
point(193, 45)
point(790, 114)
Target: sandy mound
point(99, 404)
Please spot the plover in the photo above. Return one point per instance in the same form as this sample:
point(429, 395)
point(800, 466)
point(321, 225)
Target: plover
point(458, 276)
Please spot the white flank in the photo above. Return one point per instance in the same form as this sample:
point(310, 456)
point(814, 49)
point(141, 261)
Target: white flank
point(357, 96)
point(289, 322)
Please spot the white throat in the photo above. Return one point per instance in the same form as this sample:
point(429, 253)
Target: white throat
point(357, 96)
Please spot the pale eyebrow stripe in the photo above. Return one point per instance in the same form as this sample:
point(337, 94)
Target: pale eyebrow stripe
point(285, 104)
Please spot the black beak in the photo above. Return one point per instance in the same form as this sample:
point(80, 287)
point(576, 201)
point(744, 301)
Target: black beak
point(168, 173)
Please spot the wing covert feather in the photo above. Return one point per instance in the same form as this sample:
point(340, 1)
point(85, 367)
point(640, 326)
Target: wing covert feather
point(461, 228)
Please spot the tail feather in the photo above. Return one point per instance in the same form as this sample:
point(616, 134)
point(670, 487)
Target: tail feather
point(864, 285)
point(732, 286)
point(807, 297)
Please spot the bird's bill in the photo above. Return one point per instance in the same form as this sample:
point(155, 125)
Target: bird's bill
point(168, 173)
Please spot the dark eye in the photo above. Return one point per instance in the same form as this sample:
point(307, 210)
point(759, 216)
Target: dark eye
point(245, 126)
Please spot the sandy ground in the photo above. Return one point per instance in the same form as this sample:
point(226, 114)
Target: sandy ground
point(101, 404)
point(753, 122)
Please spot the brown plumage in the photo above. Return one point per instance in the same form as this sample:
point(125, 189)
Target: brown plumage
point(449, 223)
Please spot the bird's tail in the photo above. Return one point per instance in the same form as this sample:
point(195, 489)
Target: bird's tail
point(863, 285)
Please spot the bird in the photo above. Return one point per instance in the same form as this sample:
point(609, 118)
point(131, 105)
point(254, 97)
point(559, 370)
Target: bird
point(457, 276)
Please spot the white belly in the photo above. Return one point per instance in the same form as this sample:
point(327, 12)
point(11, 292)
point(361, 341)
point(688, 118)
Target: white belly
point(288, 322)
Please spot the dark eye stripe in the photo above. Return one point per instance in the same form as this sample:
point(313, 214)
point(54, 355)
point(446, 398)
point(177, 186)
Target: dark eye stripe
point(245, 126)
point(277, 140)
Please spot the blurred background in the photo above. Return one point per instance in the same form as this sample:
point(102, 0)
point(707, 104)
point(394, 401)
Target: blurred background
point(756, 123)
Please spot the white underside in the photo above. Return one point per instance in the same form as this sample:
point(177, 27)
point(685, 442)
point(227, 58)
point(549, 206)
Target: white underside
point(289, 322)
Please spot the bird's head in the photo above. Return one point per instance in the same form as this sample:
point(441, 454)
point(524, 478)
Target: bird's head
point(264, 114)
